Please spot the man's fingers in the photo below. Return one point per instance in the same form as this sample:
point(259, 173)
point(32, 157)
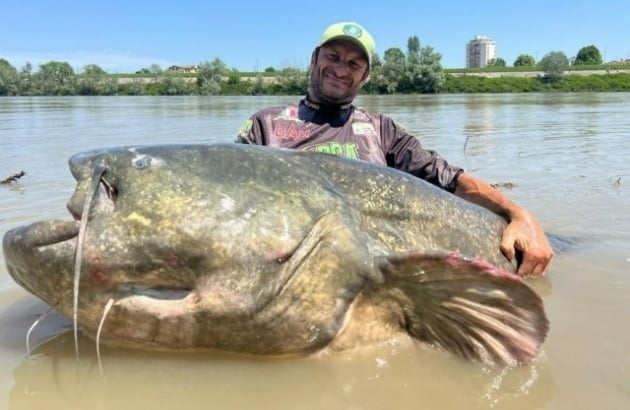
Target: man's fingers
point(537, 269)
point(507, 247)
point(527, 267)
point(543, 267)
point(528, 242)
point(533, 265)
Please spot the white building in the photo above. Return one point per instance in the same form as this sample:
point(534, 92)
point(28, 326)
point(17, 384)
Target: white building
point(479, 51)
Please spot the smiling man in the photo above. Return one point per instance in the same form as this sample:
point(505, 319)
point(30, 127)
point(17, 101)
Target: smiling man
point(340, 66)
point(327, 121)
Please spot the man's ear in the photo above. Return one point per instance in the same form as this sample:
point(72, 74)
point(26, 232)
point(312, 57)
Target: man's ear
point(314, 56)
point(366, 77)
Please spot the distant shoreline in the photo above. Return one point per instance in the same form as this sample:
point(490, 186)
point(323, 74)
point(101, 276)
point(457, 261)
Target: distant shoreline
point(534, 74)
point(295, 82)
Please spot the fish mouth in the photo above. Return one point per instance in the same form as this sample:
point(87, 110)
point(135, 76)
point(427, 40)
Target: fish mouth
point(36, 251)
point(60, 243)
point(53, 245)
point(55, 240)
point(51, 232)
point(93, 197)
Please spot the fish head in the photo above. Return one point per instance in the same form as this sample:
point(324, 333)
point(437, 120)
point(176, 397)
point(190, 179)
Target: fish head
point(182, 238)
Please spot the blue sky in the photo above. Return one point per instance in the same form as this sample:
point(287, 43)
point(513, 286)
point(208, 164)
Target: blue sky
point(124, 36)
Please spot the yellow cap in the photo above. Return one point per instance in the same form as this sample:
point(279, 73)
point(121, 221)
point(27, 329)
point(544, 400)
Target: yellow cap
point(351, 32)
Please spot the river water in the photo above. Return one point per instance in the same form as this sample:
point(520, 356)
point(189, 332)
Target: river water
point(566, 157)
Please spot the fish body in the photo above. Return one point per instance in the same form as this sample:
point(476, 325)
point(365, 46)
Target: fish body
point(263, 251)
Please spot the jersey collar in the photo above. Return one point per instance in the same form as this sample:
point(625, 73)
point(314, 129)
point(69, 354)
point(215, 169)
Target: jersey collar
point(329, 107)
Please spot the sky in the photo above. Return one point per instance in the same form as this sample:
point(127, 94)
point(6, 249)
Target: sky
point(123, 36)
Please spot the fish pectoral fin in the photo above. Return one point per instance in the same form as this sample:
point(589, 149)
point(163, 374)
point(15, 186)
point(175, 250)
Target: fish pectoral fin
point(467, 306)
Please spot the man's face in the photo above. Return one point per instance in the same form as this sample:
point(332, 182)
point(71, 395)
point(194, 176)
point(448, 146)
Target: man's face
point(338, 71)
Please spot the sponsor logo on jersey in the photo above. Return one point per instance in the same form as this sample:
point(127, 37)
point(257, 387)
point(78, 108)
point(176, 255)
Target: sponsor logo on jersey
point(290, 130)
point(363, 128)
point(348, 150)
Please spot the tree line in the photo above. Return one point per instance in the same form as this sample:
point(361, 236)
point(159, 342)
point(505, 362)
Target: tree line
point(588, 55)
point(418, 70)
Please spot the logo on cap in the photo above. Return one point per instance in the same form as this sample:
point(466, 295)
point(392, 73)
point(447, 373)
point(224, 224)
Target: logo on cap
point(352, 30)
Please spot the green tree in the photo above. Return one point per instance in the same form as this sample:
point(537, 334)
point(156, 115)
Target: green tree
point(553, 64)
point(55, 78)
point(428, 76)
point(26, 80)
point(292, 81)
point(5, 64)
point(93, 69)
point(96, 85)
point(392, 71)
point(376, 70)
point(258, 88)
point(133, 87)
point(496, 62)
point(233, 77)
point(95, 82)
point(376, 62)
point(57, 71)
point(210, 75)
point(155, 69)
point(27, 69)
point(524, 60)
point(9, 78)
point(413, 46)
point(588, 55)
point(423, 70)
point(174, 86)
point(394, 55)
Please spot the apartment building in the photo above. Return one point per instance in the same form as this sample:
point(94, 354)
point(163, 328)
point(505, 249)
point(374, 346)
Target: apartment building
point(479, 51)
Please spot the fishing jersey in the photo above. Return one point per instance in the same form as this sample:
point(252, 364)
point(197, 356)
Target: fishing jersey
point(350, 132)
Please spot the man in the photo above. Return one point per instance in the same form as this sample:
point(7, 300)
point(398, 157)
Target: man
point(326, 121)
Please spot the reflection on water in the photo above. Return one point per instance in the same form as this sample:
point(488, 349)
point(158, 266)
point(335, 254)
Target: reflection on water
point(566, 156)
point(388, 377)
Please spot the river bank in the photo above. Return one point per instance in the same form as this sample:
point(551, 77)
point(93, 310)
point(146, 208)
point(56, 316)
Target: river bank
point(294, 82)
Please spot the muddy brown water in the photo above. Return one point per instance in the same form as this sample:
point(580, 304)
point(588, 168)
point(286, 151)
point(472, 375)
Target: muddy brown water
point(566, 157)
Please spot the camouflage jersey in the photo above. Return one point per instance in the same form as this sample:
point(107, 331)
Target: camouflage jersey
point(350, 132)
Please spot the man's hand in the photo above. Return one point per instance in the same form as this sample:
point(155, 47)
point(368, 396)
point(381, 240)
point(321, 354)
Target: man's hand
point(525, 234)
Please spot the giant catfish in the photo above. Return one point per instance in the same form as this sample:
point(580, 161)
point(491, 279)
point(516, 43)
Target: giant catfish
point(274, 252)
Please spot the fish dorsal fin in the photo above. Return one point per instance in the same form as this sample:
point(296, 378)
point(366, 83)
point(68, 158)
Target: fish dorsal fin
point(467, 306)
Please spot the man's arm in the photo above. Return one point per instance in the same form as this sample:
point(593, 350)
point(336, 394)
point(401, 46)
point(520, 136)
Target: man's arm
point(253, 130)
point(404, 152)
point(246, 134)
point(523, 232)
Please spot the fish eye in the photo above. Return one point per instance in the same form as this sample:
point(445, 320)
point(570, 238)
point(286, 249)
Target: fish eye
point(141, 162)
